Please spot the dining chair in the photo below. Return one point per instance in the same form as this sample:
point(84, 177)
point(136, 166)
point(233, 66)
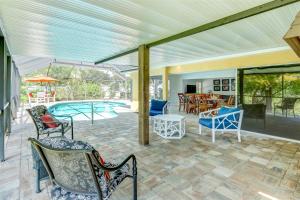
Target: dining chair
point(182, 101)
point(192, 104)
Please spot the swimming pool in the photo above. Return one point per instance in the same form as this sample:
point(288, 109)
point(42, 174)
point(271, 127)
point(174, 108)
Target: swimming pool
point(87, 110)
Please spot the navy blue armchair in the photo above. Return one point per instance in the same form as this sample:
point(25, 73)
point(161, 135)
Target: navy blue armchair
point(158, 107)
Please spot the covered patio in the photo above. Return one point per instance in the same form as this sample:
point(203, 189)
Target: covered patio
point(171, 43)
point(190, 168)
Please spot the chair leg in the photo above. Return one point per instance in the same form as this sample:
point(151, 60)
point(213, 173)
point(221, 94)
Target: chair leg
point(72, 133)
point(134, 181)
point(200, 129)
point(37, 181)
point(294, 113)
point(239, 135)
point(213, 136)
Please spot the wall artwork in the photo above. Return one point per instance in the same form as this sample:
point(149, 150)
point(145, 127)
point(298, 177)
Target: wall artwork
point(232, 84)
point(217, 82)
point(217, 88)
point(225, 87)
point(225, 82)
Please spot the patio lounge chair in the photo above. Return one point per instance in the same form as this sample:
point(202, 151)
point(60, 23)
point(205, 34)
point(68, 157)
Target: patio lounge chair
point(40, 170)
point(41, 97)
point(63, 125)
point(77, 171)
point(31, 99)
point(286, 104)
point(158, 107)
point(223, 119)
point(51, 97)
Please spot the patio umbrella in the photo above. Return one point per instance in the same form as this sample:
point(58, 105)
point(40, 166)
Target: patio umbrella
point(41, 79)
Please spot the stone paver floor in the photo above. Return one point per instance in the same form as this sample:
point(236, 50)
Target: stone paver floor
point(191, 168)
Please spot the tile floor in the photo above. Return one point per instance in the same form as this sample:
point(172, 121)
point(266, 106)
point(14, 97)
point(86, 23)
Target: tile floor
point(258, 168)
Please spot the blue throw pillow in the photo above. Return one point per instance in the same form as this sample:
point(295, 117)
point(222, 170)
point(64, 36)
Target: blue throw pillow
point(157, 104)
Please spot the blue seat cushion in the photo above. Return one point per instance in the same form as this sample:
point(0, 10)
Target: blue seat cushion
point(226, 110)
point(157, 104)
point(207, 122)
point(155, 112)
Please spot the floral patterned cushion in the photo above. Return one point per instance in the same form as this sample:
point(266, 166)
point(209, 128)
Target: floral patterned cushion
point(117, 176)
point(107, 187)
point(58, 193)
point(65, 143)
point(36, 113)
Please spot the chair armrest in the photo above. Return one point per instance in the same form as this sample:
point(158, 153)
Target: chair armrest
point(118, 166)
point(57, 122)
point(208, 114)
point(65, 116)
point(165, 108)
point(226, 115)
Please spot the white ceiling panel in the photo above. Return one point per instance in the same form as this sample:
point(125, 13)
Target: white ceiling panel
point(91, 30)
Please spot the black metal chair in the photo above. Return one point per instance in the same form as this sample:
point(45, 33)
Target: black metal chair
point(285, 105)
point(75, 170)
point(63, 125)
point(39, 168)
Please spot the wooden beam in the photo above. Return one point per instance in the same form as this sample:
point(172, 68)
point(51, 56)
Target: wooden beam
point(217, 23)
point(165, 81)
point(241, 86)
point(293, 34)
point(2, 96)
point(143, 96)
point(116, 56)
point(8, 92)
point(226, 20)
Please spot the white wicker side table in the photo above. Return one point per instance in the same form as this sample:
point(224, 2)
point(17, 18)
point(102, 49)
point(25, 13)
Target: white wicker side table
point(169, 126)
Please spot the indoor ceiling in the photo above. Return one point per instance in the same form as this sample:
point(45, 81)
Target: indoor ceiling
point(91, 30)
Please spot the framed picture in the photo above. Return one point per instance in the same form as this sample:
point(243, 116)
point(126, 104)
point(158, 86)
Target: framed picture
point(232, 87)
point(225, 82)
point(232, 84)
point(225, 87)
point(217, 82)
point(217, 88)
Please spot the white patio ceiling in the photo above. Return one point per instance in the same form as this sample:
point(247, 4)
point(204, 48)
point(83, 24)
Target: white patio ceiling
point(90, 30)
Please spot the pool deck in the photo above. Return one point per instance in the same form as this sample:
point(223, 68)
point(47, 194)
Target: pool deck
point(192, 168)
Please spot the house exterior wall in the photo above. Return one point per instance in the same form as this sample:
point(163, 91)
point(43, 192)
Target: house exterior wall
point(225, 67)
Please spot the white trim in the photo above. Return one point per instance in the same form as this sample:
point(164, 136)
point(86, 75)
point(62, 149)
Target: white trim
point(270, 136)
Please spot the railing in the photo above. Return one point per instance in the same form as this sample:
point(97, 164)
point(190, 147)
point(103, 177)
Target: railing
point(90, 111)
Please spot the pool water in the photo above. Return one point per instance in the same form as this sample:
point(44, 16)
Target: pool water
point(92, 110)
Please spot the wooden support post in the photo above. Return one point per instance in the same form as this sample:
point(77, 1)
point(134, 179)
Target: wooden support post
point(143, 96)
point(2, 96)
point(165, 80)
point(241, 86)
point(8, 92)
